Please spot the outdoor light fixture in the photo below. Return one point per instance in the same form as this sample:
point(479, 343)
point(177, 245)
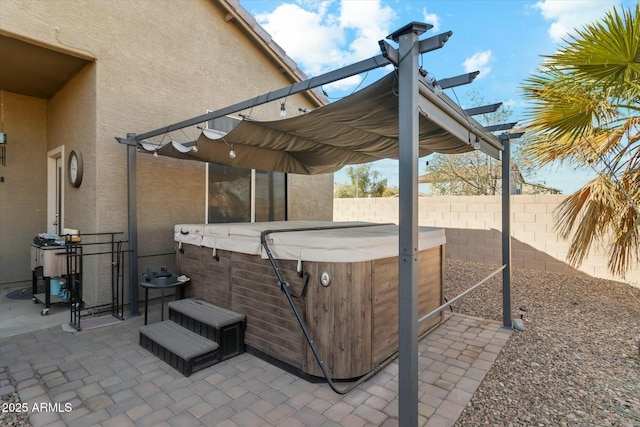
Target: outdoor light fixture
point(283, 110)
point(247, 117)
point(232, 152)
point(3, 136)
point(523, 311)
point(518, 324)
point(431, 80)
point(195, 148)
point(3, 149)
point(436, 88)
point(476, 143)
point(155, 153)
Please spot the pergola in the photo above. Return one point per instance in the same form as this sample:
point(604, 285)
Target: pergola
point(402, 116)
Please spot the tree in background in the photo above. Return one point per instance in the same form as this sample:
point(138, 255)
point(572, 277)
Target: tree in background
point(586, 112)
point(474, 173)
point(364, 183)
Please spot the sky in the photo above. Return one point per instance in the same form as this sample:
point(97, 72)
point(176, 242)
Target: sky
point(503, 39)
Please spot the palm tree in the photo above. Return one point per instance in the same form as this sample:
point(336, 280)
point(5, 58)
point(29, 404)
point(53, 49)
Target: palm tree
point(586, 112)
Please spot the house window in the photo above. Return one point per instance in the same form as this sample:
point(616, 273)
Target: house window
point(270, 196)
point(245, 195)
point(518, 189)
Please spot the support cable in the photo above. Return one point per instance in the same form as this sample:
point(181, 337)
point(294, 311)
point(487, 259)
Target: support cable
point(456, 298)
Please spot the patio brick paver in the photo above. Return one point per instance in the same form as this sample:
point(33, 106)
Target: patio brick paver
point(109, 380)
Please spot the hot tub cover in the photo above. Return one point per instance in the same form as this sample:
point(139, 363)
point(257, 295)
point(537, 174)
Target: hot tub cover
point(189, 233)
point(359, 241)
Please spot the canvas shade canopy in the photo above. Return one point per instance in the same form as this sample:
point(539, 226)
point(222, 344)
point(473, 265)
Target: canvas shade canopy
point(359, 128)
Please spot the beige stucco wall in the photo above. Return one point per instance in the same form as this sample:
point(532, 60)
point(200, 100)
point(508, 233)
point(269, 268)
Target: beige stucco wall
point(23, 186)
point(311, 197)
point(156, 63)
point(473, 227)
point(71, 123)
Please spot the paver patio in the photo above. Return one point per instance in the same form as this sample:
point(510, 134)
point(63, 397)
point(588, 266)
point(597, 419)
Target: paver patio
point(103, 377)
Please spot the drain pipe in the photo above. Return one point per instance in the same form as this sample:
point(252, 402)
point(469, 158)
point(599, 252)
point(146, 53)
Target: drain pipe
point(284, 286)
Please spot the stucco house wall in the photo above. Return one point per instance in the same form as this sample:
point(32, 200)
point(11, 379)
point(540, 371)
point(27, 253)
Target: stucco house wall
point(153, 63)
point(23, 181)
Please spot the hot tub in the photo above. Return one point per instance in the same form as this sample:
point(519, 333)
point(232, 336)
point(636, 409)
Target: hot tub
point(349, 303)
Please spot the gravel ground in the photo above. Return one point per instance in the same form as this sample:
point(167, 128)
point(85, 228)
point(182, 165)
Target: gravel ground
point(577, 363)
point(9, 417)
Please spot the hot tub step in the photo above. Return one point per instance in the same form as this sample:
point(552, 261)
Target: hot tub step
point(223, 326)
point(184, 350)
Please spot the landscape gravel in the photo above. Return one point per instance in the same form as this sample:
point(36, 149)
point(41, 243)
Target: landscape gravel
point(577, 363)
point(11, 418)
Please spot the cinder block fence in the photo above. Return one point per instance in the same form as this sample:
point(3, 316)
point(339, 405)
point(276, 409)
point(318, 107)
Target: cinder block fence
point(473, 225)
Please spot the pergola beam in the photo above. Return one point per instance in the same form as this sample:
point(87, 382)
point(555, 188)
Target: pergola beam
point(464, 128)
point(424, 46)
point(485, 109)
point(501, 126)
point(433, 43)
point(463, 79)
point(510, 136)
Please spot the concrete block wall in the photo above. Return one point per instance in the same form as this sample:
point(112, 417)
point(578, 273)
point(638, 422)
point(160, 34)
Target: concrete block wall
point(473, 227)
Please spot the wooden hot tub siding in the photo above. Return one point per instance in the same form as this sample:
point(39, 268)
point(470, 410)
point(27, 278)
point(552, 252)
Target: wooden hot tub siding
point(353, 322)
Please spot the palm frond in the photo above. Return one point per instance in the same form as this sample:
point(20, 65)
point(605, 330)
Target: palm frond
point(607, 51)
point(625, 250)
point(563, 115)
point(598, 210)
point(586, 110)
point(611, 145)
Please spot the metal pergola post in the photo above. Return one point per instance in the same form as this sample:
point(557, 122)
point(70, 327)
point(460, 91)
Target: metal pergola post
point(506, 232)
point(132, 225)
point(407, 38)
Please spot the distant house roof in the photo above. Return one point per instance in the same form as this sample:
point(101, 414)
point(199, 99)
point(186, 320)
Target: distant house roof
point(239, 15)
point(543, 189)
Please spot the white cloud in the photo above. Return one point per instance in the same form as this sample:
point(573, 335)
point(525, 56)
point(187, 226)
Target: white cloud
point(343, 85)
point(568, 15)
point(479, 61)
point(322, 35)
point(309, 37)
point(510, 103)
point(370, 21)
point(431, 18)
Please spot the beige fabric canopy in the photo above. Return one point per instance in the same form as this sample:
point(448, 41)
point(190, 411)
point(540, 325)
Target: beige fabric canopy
point(360, 128)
